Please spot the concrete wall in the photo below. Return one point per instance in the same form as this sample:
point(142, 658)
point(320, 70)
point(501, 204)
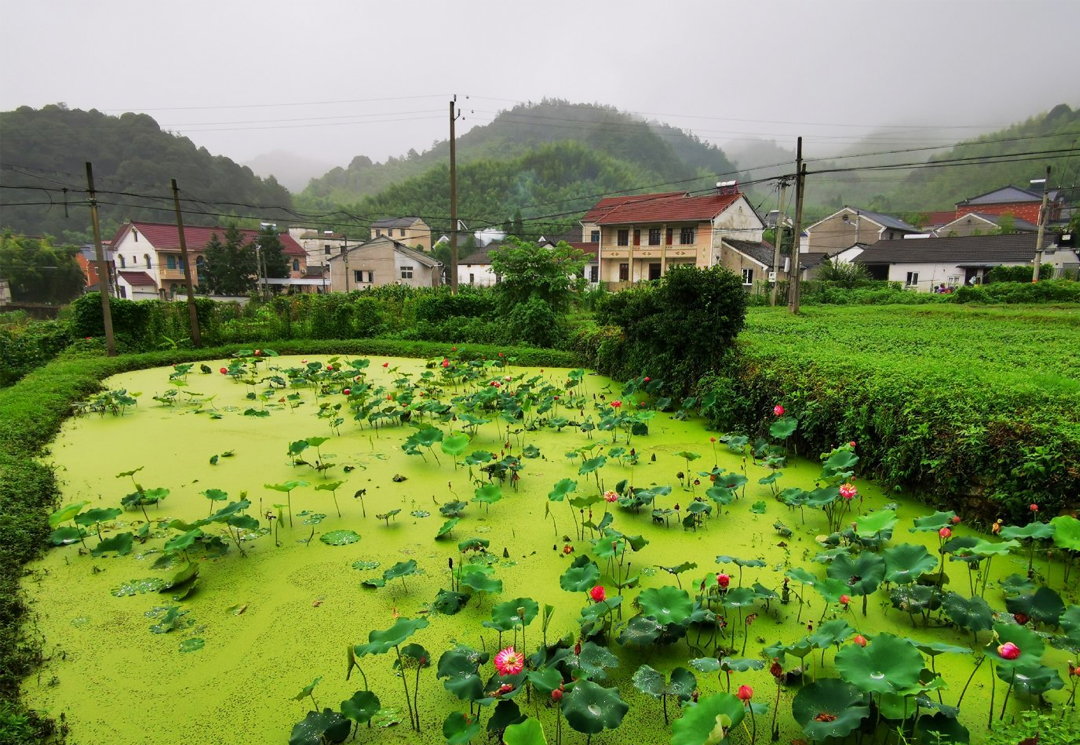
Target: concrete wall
point(966, 226)
point(379, 261)
point(418, 234)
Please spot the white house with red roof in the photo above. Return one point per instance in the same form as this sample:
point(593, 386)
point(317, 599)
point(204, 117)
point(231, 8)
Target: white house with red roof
point(153, 250)
point(641, 236)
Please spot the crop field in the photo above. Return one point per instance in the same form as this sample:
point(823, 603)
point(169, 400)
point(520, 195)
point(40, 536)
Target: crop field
point(277, 549)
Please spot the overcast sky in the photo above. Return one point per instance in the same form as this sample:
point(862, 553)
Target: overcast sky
point(330, 80)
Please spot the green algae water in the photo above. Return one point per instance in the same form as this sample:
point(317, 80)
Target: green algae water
point(129, 663)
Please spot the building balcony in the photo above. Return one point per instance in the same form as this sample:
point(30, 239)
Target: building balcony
point(172, 274)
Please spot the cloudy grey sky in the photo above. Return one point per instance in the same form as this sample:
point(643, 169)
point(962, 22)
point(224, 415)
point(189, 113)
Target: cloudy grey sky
point(329, 80)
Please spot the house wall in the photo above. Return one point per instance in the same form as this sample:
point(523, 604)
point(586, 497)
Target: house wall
point(134, 248)
point(930, 275)
point(966, 226)
point(1024, 210)
point(835, 233)
point(478, 275)
point(418, 234)
point(384, 262)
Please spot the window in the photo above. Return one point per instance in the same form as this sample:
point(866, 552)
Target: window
point(371, 277)
point(670, 233)
point(123, 291)
point(402, 232)
point(624, 238)
point(170, 263)
point(378, 233)
point(954, 280)
point(146, 258)
point(594, 273)
point(406, 272)
point(296, 265)
point(594, 237)
point(654, 236)
point(326, 249)
point(136, 234)
point(624, 272)
point(686, 236)
point(912, 279)
point(472, 279)
point(637, 237)
point(748, 276)
point(123, 265)
point(358, 276)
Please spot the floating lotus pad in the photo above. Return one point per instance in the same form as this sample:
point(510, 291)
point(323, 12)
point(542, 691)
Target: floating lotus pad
point(340, 537)
point(666, 604)
point(830, 708)
point(361, 707)
point(381, 642)
point(907, 562)
point(887, 664)
point(590, 708)
point(709, 721)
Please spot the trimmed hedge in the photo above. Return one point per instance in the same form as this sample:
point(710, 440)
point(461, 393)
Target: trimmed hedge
point(29, 344)
point(31, 413)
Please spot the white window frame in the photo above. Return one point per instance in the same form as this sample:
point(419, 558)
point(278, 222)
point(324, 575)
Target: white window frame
point(748, 277)
point(912, 279)
point(686, 236)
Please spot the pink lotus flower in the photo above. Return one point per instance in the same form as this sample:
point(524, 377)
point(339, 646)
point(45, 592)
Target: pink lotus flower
point(616, 404)
point(723, 581)
point(386, 364)
point(647, 378)
point(556, 695)
point(303, 362)
point(507, 378)
point(568, 549)
point(956, 520)
point(611, 496)
point(346, 391)
point(860, 640)
point(1034, 507)
point(844, 600)
point(1008, 651)
point(509, 661)
point(945, 533)
point(851, 444)
point(223, 371)
point(445, 362)
point(778, 410)
point(258, 353)
point(745, 693)
point(597, 594)
point(848, 491)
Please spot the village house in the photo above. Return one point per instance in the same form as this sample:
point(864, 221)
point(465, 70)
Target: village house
point(147, 255)
point(319, 245)
point(1023, 204)
point(850, 226)
point(412, 231)
point(382, 261)
point(984, 223)
point(640, 237)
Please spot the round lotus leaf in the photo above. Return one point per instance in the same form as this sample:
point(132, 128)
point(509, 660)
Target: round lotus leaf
point(832, 589)
point(473, 544)
point(458, 729)
point(897, 707)
point(681, 685)
point(933, 649)
point(888, 664)
point(401, 569)
point(381, 642)
point(428, 436)
point(641, 631)
point(993, 548)
point(506, 713)
point(943, 729)
point(529, 732)
point(488, 494)
point(580, 578)
point(916, 598)
point(1044, 605)
point(593, 660)
point(591, 465)
point(1030, 643)
point(720, 494)
point(934, 522)
point(829, 708)
point(455, 444)
point(447, 527)
point(517, 612)
point(783, 428)
point(590, 708)
point(740, 597)
point(709, 721)
point(1066, 532)
point(1034, 530)
point(870, 525)
point(481, 582)
point(649, 681)
point(562, 488)
point(545, 679)
point(1070, 621)
point(67, 512)
point(121, 543)
point(802, 576)
point(1033, 679)
point(318, 728)
point(862, 574)
point(101, 515)
point(340, 537)
point(461, 668)
point(361, 707)
point(666, 604)
point(823, 497)
point(1016, 584)
point(831, 632)
point(907, 562)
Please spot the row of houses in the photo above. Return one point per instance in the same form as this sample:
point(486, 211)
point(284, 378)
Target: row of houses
point(629, 239)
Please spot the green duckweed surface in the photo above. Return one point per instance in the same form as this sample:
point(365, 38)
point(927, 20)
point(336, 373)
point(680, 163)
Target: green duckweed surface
point(258, 629)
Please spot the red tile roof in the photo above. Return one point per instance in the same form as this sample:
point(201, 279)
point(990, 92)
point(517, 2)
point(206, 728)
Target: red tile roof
point(591, 250)
point(679, 209)
point(606, 204)
point(137, 279)
point(164, 236)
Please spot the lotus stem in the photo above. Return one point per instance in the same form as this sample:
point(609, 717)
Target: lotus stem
point(405, 684)
point(776, 708)
point(990, 716)
point(416, 693)
point(1008, 690)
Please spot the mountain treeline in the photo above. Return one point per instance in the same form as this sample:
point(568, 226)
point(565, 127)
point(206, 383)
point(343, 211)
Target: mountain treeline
point(47, 148)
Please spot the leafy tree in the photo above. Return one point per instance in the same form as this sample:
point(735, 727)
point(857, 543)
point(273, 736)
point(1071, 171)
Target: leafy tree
point(231, 267)
point(843, 273)
point(529, 271)
point(1006, 224)
point(677, 329)
point(38, 271)
point(273, 253)
point(787, 241)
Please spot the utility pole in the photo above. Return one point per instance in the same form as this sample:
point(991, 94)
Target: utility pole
point(103, 267)
point(778, 238)
point(453, 200)
point(345, 261)
point(1042, 228)
point(193, 315)
point(800, 188)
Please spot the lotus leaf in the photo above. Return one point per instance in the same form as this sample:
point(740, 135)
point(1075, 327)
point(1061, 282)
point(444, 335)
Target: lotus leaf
point(459, 729)
point(862, 575)
point(992, 548)
point(1066, 532)
point(1034, 530)
point(67, 512)
point(1030, 644)
point(1015, 584)
point(1044, 605)
point(705, 664)
point(546, 679)
point(455, 445)
point(876, 522)
point(361, 707)
point(1070, 621)
point(800, 575)
point(741, 664)
point(934, 522)
point(461, 668)
point(839, 462)
point(943, 729)
point(641, 630)
point(381, 642)
point(590, 708)
point(187, 571)
point(582, 575)
point(68, 534)
point(447, 527)
point(488, 494)
point(506, 713)
point(740, 597)
point(593, 661)
point(666, 604)
point(97, 515)
point(831, 632)
point(709, 721)
point(562, 488)
point(933, 649)
point(120, 543)
point(783, 428)
point(916, 598)
point(339, 537)
point(449, 602)
point(720, 494)
point(481, 582)
point(973, 614)
point(829, 708)
point(529, 732)
point(907, 562)
point(473, 544)
point(887, 664)
point(832, 589)
point(318, 728)
point(1033, 679)
point(401, 569)
point(512, 613)
point(592, 464)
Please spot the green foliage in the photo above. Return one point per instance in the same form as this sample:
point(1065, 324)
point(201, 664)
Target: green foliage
point(272, 252)
point(231, 267)
point(37, 270)
point(681, 327)
point(530, 271)
point(1019, 273)
point(845, 274)
point(26, 344)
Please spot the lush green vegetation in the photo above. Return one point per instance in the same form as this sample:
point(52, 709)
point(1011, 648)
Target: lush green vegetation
point(974, 407)
point(131, 154)
point(26, 344)
point(38, 271)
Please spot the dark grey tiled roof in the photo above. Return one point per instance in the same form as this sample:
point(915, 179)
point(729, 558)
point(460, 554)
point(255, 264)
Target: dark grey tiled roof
point(976, 250)
point(395, 222)
point(1006, 194)
point(755, 250)
point(810, 259)
point(1018, 224)
point(889, 221)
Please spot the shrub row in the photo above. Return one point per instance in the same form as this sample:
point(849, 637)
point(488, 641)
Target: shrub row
point(26, 344)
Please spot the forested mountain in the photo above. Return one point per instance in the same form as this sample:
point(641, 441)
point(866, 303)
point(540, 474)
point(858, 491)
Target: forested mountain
point(942, 187)
point(47, 149)
point(658, 151)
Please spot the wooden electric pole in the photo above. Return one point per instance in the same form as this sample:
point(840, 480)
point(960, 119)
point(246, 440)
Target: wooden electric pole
point(1042, 228)
point(453, 200)
point(103, 267)
point(778, 237)
point(800, 189)
point(193, 314)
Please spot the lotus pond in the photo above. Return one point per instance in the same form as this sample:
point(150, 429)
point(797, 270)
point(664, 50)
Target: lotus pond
point(268, 549)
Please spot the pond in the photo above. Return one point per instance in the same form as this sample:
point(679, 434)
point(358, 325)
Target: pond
point(272, 595)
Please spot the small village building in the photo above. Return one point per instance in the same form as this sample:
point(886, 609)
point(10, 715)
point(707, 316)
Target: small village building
point(382, 261)
point(411, 231)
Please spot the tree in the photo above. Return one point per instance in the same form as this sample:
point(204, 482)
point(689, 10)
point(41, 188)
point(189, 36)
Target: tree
point(846, 274)
point(38, 271)
point(1006, 224)
point(231, 267)
point(273, 253)
point(528, 270)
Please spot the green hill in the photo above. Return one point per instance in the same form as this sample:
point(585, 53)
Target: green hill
point(48, 147)
point(657, 152)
